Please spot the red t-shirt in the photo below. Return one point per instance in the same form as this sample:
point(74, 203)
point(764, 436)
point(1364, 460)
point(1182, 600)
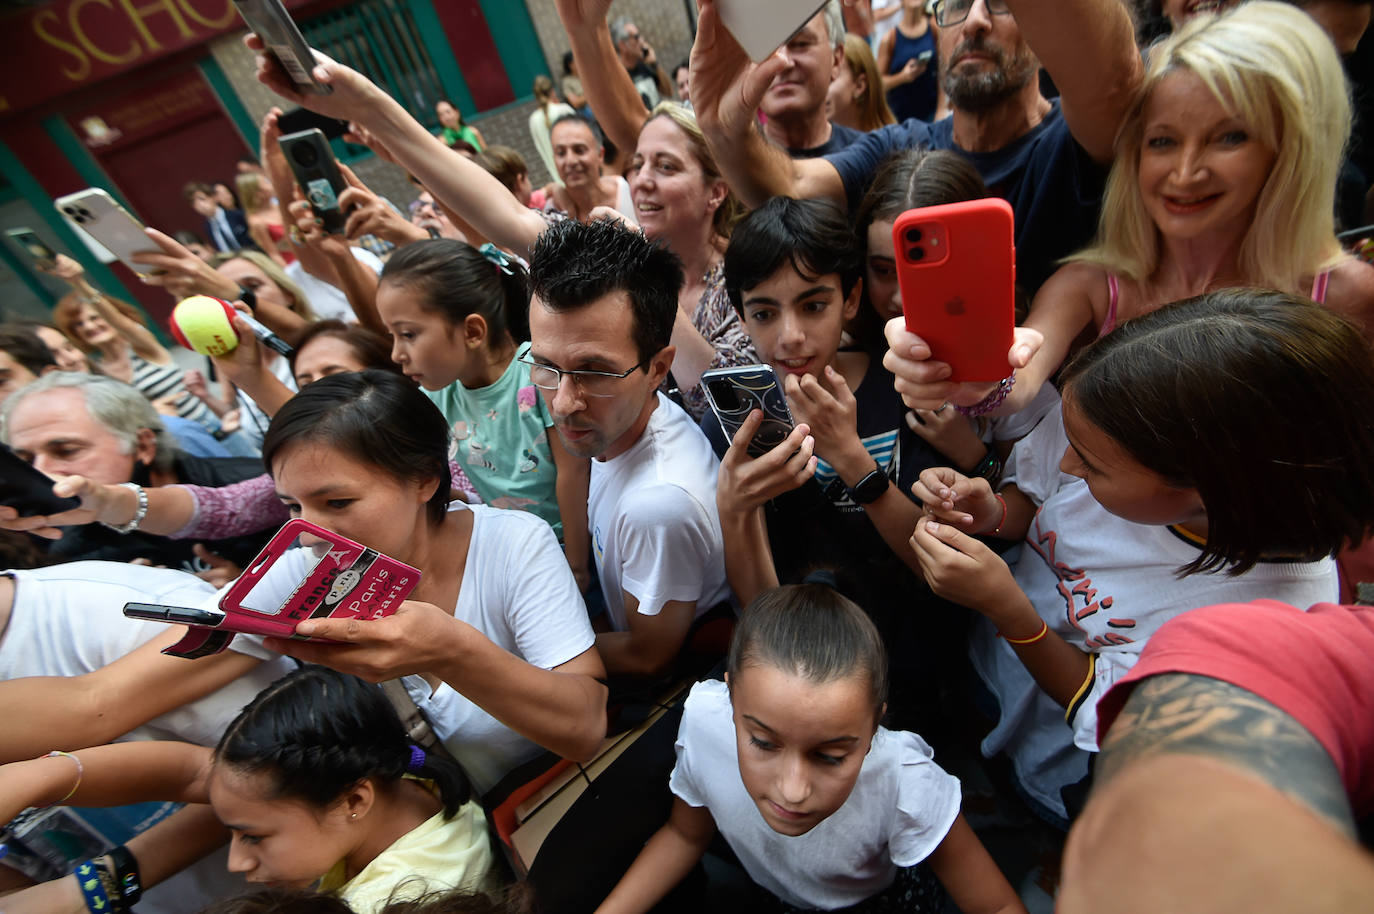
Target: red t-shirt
point(1317, 666)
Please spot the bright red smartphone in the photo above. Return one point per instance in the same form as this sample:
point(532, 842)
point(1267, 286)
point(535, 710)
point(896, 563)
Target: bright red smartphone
point(956, 264)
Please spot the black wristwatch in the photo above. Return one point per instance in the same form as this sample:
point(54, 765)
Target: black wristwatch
point(249, 298)
point(871, 488)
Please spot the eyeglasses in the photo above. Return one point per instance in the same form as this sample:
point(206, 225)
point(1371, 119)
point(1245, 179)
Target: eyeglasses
point(591, 383)
point(953, 12)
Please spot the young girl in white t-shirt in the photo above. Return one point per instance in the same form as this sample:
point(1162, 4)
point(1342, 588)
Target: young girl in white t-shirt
point(823, 807)
point(317, 783)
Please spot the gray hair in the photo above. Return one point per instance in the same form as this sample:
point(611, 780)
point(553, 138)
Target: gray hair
point(119, 408)
point(834, 23)
point(618, 27)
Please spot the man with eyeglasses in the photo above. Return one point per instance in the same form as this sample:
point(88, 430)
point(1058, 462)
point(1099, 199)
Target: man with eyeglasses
point(640, 60)
point(1046, 158)
point(604, 303)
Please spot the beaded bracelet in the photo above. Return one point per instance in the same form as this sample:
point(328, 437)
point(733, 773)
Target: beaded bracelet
point(992, 400)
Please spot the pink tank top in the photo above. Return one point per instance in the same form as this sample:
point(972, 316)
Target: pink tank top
point(1319, 284)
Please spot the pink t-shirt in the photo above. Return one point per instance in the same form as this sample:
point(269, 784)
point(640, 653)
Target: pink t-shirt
point(1317, 666)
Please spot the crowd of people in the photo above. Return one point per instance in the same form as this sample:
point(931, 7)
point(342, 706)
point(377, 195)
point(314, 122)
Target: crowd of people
point(1106, 605)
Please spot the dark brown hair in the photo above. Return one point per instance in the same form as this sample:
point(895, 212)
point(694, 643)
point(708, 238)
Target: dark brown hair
point(1261, 401)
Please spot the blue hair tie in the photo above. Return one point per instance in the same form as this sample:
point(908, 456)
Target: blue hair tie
point(417, 759)
point(497, 256)
point(823, 576)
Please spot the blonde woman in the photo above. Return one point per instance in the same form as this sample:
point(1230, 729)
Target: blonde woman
point(542, 120)
point(1225, 175)
point(264, 218)
point(856, 99)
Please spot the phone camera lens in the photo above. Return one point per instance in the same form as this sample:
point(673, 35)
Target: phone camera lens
point(304, 155)
point(913, 235)
point(915, 253)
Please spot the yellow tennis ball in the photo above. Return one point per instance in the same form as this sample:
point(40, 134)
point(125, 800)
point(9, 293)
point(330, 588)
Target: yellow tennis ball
point(205, 325)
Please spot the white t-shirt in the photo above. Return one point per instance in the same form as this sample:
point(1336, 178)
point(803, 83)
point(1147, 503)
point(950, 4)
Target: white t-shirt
point(901, 808)
point(326, 300)
point(1105, 585)
point(652, 514)
point(68, 620)
point(518, 590)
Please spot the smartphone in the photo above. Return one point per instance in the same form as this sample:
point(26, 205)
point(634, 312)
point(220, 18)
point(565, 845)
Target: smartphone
point(334, 578)
point(28, 241)
point(312, 162)
point(27, 490)
point(735, 392)
point(100, 216)
point(763, 26)
point(956, 265)
point(182, 615)
point(298, 119)
point(274, 25)
point(925, 56)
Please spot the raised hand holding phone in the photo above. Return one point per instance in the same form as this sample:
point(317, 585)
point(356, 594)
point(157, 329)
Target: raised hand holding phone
point(745, 482)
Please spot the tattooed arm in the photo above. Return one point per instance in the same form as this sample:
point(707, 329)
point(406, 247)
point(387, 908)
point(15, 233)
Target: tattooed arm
point(1201, 716)
point(1203, 803)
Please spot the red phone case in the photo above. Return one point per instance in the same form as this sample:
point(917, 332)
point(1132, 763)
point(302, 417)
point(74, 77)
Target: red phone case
point(349, 581)
point(956, 265)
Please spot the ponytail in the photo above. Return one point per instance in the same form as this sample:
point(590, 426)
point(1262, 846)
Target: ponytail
point(315, 733)
point(457, 280)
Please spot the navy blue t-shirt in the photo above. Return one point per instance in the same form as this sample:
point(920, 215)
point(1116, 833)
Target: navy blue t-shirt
point(1053, 185)
point(841, 138)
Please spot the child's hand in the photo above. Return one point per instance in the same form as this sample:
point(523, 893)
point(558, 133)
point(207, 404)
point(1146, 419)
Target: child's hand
point(827, 407)
point(962, 569)
point(745, 482)
point(949, 432)
point(954, 498)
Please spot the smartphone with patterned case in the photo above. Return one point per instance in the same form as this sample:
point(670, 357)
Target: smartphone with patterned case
point(735, 392)
point(956, 265)
point(312, 163)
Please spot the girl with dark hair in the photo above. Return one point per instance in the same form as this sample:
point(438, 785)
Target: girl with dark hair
point(1227, 433)
point(824, 808)
point(316, 781)
point(496, 632)
point(459, 321)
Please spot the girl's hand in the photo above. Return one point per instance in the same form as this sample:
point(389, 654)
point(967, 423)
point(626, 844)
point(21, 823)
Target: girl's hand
point(418, 637)
point(955, 498)
point(219, 570)
point(827, 407)
point(963, 570)
point(747, 482)
point(922, 381)
point(359, 135)
point(578, 14)
point(949, 432)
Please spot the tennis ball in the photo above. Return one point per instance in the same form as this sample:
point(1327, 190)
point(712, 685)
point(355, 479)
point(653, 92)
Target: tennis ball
point(205, 325)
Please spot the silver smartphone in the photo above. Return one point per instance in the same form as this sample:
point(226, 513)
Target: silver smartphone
point(763, 26)
point(94, 212)
point(278, 31)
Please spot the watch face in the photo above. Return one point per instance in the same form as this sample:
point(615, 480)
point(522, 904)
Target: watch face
point(870, 488)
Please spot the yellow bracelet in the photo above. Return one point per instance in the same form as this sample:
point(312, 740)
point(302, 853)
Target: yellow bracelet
point(80, 773)
point(1038, 636)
